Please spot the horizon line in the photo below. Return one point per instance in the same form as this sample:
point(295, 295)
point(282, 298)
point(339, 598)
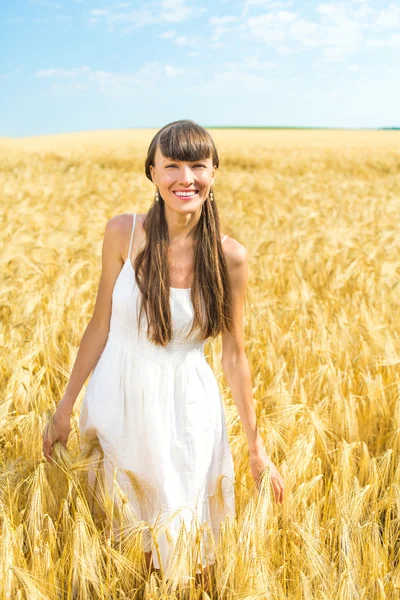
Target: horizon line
point(394, 128)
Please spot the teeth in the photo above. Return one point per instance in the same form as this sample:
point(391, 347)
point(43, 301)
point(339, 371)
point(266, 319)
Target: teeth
point(185, 193)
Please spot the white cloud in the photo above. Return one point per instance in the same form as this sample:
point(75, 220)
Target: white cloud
point(237, 77)
point(302, 30)
point(45, 3)
point(63, 73)
point(146, 77)
point(249, 5)
point(269, 27)
point(176, 11)
point(337, 30)
point(392, 41)
point(221, 25)
point(326, 9)
point(257, 64)
point(388, 18)
point(268, 3)
point(271, 4)
point(172, 71)
point(250, 71)
point(166, 35)
point(161, 11)
point(223, 20)
point(287, 50)
point(99, 12)
point(181, 40)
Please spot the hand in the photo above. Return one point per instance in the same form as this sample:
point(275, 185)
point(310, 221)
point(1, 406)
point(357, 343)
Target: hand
point(57, 429)
point(258, 462)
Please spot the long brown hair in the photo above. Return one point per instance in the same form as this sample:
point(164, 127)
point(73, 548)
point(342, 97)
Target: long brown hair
point(183, 140)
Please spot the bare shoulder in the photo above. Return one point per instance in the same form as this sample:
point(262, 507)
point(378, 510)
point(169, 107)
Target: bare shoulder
point(120, 223)
point(120, 226)
point(235, 253)
point(236, 257)
point(125, 219)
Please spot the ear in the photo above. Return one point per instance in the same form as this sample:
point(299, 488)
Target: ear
point(152, 173)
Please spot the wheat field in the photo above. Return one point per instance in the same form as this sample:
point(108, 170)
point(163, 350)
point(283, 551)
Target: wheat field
point(318, 212)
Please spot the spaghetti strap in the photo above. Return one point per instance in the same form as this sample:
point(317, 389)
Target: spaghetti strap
point(133, 229)
point(223, 239)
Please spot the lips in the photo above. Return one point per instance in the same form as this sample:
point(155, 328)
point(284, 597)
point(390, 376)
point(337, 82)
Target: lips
point(184, 195)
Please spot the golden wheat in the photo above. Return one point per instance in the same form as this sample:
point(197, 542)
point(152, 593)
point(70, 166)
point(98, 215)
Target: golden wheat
point(319, 214)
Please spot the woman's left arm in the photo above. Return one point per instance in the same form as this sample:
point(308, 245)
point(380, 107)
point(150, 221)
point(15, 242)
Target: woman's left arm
point(236, 369)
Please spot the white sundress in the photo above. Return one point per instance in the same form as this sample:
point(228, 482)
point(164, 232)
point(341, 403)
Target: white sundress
point(158, 412)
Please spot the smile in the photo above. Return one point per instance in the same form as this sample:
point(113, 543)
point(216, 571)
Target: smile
point(186, 194)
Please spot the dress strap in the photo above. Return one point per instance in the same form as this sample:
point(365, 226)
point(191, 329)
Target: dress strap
point(133, 229)
point(223, 239)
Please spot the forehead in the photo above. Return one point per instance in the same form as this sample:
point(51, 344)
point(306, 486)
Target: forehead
point(161, 158)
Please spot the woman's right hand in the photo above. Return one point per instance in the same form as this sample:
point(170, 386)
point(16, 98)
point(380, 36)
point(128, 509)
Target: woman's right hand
point(58, 429)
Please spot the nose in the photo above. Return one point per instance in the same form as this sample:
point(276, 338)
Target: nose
point(186, 175)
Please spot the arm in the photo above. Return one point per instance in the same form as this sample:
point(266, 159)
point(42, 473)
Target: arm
point(236, 369)
point(94, 337)
point(96, 332)
point(234, 360)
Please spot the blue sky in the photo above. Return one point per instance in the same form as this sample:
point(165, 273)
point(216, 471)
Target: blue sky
point(82, 65)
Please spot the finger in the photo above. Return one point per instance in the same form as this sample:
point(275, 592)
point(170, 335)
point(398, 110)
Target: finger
point(45, 445)
point(47, 448)
point(276, 491)
point(47, 452)
point(279, 492)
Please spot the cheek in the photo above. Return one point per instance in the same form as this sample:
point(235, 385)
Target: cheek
point(204, 179)
point(167, 179)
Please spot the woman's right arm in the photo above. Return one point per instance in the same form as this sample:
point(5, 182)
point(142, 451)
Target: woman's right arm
point(95, 335)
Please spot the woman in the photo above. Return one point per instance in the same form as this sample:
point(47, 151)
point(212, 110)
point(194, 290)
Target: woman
point(169, 282)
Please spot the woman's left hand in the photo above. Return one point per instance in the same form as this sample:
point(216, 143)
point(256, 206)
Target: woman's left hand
point(258, 462)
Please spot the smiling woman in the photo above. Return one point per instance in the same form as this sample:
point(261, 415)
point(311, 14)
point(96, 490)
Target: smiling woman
point(152, 403)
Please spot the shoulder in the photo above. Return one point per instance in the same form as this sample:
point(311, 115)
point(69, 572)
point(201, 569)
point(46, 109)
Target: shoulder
point(235, 253)
point(122, 224)
point(236, 256)
point(118, 232)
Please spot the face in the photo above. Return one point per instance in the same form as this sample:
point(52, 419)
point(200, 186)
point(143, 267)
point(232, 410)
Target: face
point(173, 176)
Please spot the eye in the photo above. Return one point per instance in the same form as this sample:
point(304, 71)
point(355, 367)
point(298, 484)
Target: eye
point(198, 165)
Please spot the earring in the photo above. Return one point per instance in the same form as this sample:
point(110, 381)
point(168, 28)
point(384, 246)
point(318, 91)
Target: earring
point(211, 196)
point(157, 195)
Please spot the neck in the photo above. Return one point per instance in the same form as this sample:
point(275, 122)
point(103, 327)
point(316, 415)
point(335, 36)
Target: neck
point(181, 227)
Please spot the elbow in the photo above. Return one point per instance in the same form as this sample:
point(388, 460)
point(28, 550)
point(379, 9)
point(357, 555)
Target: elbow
point(233, 361)
point(100, 328)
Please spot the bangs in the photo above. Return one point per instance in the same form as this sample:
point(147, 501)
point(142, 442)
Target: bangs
point(185, 142)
